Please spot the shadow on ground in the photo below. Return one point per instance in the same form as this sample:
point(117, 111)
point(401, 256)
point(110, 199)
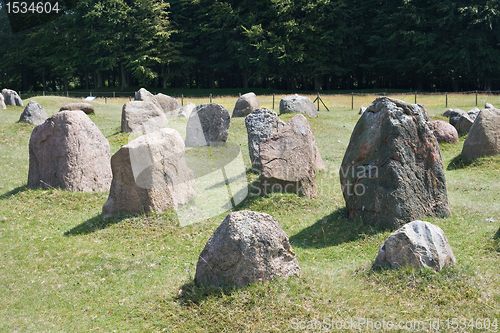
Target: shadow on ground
point(14, 191)
point(191, 294)
point(332, 230)
point(460, 162)
point(94, 224)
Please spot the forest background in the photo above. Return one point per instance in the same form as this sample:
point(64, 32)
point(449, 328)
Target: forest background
point(275, 44)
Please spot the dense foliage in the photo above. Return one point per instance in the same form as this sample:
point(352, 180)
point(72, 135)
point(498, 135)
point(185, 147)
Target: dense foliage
point(280, 44)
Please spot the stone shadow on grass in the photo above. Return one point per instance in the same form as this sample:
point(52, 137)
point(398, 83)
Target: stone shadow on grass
point(332, 230)
point(190, 293)
point(460, 162)
point(94, 224)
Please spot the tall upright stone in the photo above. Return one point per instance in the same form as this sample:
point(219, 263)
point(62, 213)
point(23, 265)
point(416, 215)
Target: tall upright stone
point(68, 151)
point(208, 125)
point(484, 135)
point(261, 124)
point(11, 97)
point(150, 174)
point(392, 172)
point(142, 117)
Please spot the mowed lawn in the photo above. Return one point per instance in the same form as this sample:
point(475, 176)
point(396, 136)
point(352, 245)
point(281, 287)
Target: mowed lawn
point(65, 269)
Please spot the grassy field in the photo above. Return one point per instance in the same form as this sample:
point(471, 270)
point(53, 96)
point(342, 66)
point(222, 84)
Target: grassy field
point(63, 268)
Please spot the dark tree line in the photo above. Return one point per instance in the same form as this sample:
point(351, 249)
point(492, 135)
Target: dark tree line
point(280, 44)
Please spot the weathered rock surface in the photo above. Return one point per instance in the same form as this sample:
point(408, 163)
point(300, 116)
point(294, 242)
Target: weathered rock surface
point(444, 132)
point(464, 123)
point(150, 174)
point(289, 160)
point(185, 110)
point(455, 116)
point(85, 107)
point(245, 105)
point(68, 151)
point(261, 124)
point(208, 125)
point(11, 97)
point(473, 113)
point(489, 106)
point(142, 117)
point(33, 113)
point(447, 113)
point(247, 247)
point(298, 104)
point(484, 135)
point(362, 110)
point(168, 104)
point(418, 244)
point(2, 102)
point(392, 171)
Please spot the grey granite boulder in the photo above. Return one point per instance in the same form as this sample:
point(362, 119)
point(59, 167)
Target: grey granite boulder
point(33, 113)
point(418, 244)
point(298, 104)
point(362, 110)
point(185, 110)
point(289, 160)
point(11, 97)
point(447, 113)
point(245, 105)
point(68, 151)
point(168, 104)
point(2, 102)
point(150, 174)
point(464, 123)
point(142, 117)
point(489, 106)
point(247, 247)
point(484, 135)
point(392, 171)
point(444, 132)
point(261, 124)
point(455, 116)
point(85, 107)
point(208, 125)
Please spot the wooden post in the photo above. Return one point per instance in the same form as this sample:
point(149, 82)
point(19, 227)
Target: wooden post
point(415, 97)
point(273, 101)
point(182, 99)
point(105, 100)
point(352, 101)
point(44, 93)
point(318, 100)
point(67, 93)
point(476, 97)
point(446, 99)
point(113, 94)
point(210, 98)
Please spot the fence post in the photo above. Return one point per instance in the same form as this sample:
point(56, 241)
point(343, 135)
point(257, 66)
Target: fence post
point(91, 93)
point(113, 94)
point(318, 100)
point(352, 100)
point(67, 93)
point(273, 101)
point(44, 93)
point(415, 97)
point(105, 100)
point(182, 99)
point(210, 98)
point(446, 100)
point(476, 97)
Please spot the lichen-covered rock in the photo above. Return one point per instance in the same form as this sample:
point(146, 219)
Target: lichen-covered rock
point(418, 244)
point(247, 247)
point(150, 174)
point(245, 105)
point(455, 116)
point(484, 135)
point(33, 113)
point(444, 132)
point(261, 124)
point(69, 151)
point(168, 104)
point(298, 104)
point(208, 125)
point(142, 117)
point(392, 171)
point(289, 160)
point(85, 107)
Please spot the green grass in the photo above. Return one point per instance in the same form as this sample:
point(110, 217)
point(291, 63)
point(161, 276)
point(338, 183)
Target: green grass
point(64, 268)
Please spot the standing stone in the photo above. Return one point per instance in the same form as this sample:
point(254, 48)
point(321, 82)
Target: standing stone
point(33, 113)
point(245, 105)
point(12, 98)
point(444, 132)
point(455, 116)
point(489, 106)
point(208, 125)
point(362, 110)
point(464, 123)
point(85, 107)
point(261, 124)
point(185, 110)
point(289, 160)
point(484, 135)
point(417, 244)
point(447, 113)
point(473, 113)
point(142, 117)
point(168, 104)
point(2, 102)
point(68, 151)
point(298, 104)
point(247, 247)
point(150, 174)
point(145, 96)
point(392, 171)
